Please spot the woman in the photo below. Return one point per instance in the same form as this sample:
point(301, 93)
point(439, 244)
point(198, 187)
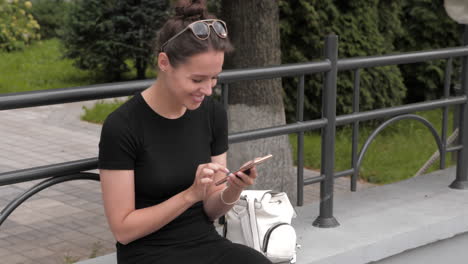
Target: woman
point(161, 152)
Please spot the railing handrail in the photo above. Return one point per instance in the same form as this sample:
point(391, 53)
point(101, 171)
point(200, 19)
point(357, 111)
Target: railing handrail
point(330, 66)
point(110, 90)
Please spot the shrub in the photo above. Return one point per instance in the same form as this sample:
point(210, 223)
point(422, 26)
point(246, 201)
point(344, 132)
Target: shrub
point(18, 27)
point(364, 28)
point(427, 27)
point(51, 15)
point(102, 35)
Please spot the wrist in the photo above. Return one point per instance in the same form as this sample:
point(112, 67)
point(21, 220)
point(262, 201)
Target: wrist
point(230, 196)
point(189, 196)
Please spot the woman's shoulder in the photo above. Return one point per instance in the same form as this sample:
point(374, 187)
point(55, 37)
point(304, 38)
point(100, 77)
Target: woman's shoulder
point(122, 115)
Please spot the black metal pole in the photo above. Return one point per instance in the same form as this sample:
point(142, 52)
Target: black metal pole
point(447, 81)
point(326, 218)
point(456, 117)
point(354, 150)
point(461, 181)
point(300, 142)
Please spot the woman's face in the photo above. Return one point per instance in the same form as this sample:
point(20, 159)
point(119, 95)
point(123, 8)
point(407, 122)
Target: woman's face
point(191, 81)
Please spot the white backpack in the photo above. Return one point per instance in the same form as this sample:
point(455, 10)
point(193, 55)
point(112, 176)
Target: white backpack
point(262, 220)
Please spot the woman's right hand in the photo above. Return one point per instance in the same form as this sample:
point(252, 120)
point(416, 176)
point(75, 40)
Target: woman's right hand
point(203, 179)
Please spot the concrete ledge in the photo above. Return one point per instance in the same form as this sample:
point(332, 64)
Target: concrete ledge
point(383, 221)
point(378, 222)
point(107, 259)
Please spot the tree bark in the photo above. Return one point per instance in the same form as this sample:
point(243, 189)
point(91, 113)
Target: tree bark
point(140, 65)
point(253, 28)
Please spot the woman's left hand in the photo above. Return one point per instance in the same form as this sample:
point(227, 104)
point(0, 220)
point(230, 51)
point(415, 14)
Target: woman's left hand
point(242, 180)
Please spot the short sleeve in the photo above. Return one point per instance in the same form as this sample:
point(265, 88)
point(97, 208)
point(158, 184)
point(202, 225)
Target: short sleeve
point(117, 146)
point(219, 143)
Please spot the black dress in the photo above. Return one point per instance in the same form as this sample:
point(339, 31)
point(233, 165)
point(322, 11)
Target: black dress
point(164, 154)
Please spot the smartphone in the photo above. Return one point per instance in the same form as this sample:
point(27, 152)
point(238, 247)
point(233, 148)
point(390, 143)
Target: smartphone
point(246, 167)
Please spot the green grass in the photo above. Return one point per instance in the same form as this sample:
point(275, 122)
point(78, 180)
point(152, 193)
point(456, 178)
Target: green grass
point(397, 153)
point(98, 113)
point(40, 67)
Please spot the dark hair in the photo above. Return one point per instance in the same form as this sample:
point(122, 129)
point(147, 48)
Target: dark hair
point(186, 45)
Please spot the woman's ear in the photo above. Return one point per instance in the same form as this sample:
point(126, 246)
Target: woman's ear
point(163, 62)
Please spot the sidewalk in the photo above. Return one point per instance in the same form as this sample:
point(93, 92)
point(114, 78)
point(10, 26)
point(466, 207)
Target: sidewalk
point(64, 223)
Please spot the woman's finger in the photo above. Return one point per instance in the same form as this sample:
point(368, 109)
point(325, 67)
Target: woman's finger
point(206, 180)
point(208, 172)
point(253, 172)
point(235, 182)
point(242, 179)
point(216, 167)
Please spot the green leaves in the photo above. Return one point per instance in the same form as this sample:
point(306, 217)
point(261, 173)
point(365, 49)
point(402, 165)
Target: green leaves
point(367, 28)
point(361, 31)
point(101, 36)
point(18, 28)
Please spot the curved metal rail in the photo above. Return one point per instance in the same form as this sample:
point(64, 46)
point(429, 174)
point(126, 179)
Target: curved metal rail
point(391, 121)
point(11, 206)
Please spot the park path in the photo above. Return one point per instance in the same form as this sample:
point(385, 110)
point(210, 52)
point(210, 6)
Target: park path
point(66, 222)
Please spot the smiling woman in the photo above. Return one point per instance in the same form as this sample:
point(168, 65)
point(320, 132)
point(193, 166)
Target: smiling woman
point(161, 152)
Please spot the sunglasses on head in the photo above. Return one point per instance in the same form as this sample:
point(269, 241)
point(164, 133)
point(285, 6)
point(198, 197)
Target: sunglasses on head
point(201, 30)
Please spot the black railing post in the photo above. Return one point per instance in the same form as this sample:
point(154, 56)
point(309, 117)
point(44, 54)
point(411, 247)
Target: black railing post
point(456, 119)
point(461, 182)
point(326, 218)
point(224, 95)
point(355, 136)
point(300, 142)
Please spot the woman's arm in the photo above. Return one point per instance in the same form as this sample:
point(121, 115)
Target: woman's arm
point(213, 205)
point(128, 224)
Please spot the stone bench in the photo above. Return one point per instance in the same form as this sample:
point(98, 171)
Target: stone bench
point(107, 259)
point(378, 222)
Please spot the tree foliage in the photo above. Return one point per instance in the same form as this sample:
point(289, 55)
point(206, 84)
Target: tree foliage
point(367, 28)
point(18, 27)
point(51, 15)
point(361, 33)
point(427, 27)
point(102, 35)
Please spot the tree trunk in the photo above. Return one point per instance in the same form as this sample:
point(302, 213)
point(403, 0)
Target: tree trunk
point(140, 65)
point(253, 28)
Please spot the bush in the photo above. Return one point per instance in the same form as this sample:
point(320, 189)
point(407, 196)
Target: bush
point(51, 15)
point(427, 27)
point(101, 35)
point(364, 28)
point(18, 27)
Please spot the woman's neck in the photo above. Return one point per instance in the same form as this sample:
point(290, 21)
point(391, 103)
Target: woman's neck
point(158, 97)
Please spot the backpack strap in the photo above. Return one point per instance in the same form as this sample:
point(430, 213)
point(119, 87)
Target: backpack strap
point(253, 224)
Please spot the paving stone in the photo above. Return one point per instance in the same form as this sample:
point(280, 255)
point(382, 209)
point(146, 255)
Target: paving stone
point(37, 253)
point(17, 230)
point(43, 203)
point(19, 248)
point(14, 259)
point(4, 251)
point(4, 243)
point(49, 240)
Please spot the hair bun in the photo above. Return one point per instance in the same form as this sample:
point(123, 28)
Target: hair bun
point(195, 9)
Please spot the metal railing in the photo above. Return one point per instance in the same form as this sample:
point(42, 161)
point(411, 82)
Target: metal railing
point(330, 66)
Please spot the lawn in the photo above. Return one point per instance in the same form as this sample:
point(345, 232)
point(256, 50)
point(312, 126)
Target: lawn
point(397, 153)
point(40, 67)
